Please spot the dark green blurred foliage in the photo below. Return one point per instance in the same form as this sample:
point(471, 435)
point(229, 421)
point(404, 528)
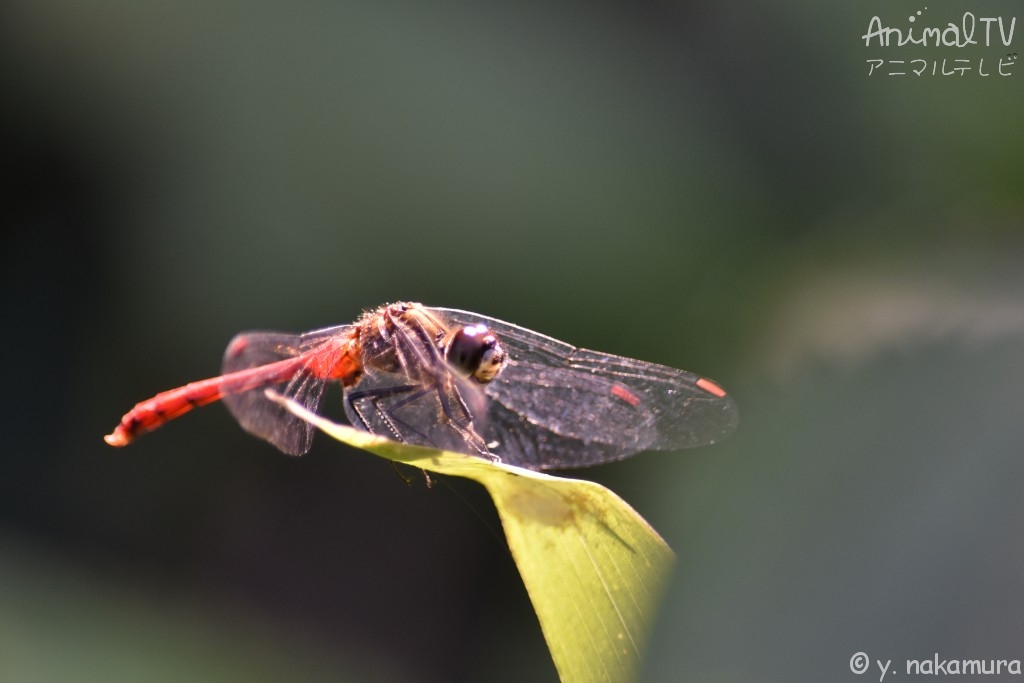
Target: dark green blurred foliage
point(723, 189)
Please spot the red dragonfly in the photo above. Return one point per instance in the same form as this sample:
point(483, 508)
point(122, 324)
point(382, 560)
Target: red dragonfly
point(455, 380)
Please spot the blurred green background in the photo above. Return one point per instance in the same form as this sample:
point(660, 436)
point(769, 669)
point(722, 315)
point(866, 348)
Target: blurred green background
point(721, 188)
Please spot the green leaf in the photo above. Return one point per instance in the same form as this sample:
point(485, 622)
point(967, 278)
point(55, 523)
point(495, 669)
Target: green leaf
point(593, 567)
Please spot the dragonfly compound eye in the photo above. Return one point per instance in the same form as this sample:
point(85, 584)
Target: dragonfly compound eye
point(475, 352)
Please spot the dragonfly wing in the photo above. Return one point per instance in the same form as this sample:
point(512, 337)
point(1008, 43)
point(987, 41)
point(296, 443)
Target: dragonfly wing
point(517, 440)
point(689, 410)
point(580, 407)
point(541, 419)
point(273, 422)
point(257, 414)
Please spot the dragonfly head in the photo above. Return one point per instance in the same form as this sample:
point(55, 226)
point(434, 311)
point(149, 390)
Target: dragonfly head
point(474, 351)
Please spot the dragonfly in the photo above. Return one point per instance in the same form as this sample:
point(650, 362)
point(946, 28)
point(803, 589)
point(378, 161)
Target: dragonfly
point(459, 381)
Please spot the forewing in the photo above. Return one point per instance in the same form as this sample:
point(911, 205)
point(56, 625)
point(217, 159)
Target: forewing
point(689, 410)
point(572, 407)
point(542, 418)
point(257, 414)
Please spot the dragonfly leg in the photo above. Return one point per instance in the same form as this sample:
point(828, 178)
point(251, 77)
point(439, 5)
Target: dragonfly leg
point(387, 415)
point(464, 425)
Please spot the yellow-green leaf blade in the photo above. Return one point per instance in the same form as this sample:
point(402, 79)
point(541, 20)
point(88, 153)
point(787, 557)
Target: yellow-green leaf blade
point(594, 569)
